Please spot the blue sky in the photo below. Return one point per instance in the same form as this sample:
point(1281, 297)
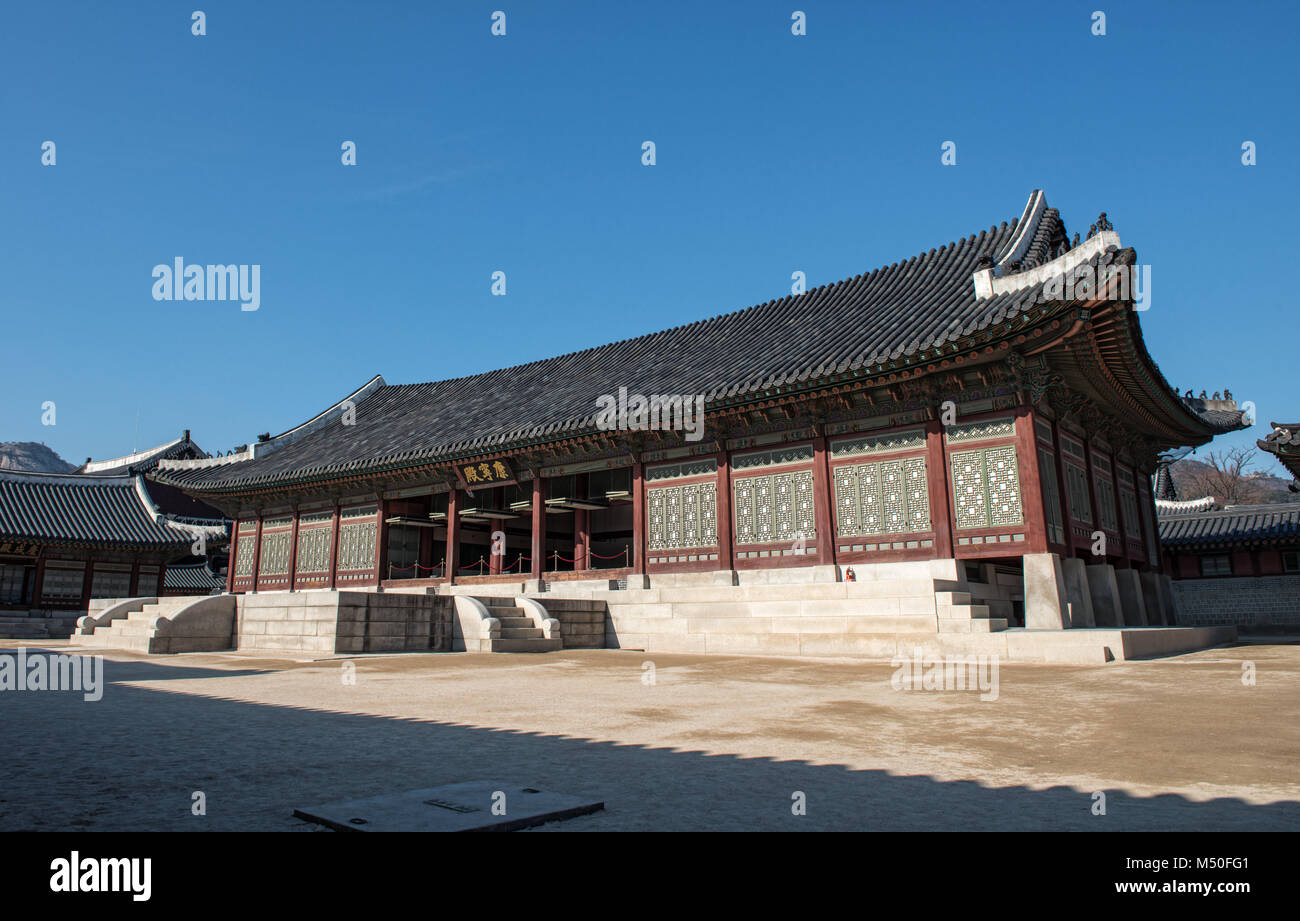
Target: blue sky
point(522, 153)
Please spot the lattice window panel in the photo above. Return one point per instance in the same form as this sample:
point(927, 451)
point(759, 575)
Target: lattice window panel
point(986, 488)
point(147, 584)
point(978, 431)
point(62, 583)
point(110, 584)
point(357, 546)
point(275, 554)
point(1128, 512)
point(970, 493)
point(683, 516)
point(1051, 496)
point(917, 486)
point(244, 556)
point(877, 444)
point(1106, 503)
point(775, 509)
point(1004, 486)
point(793, 455)
point(314, 549)
point(1076, 490)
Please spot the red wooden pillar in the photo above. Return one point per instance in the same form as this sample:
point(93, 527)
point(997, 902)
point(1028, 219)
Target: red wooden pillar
point(496, 560)
point(726, 546)
point(382, 556)
point(822, 492)
point(257, 555)
point(581, 528)
point(638, 518)
point(88, 580)
point(539, 526)
point(936, 475)
point(293, 552)
point(38, 580)
point(230, 562)
point(1031, 484)
point(334, 546)
point(135, 579)
point(453, 534)
point(162, 578)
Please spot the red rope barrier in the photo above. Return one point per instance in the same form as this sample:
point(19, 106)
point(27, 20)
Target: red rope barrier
point(614, 557)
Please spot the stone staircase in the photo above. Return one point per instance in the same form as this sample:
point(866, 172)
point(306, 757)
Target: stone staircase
point(865, 618)
point(518, 632)
point(208, 629)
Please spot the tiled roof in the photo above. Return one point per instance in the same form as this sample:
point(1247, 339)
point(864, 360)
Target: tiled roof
point(852, 328)
point(192, 577)
point(145, 460)
point(1284, 443)
point(73, 509)
point(1236, 525)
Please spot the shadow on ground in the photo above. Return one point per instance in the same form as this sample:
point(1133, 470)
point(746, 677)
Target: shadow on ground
point(133, 760)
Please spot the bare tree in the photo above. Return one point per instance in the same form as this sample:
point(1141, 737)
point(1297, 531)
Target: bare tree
point(1224, 475)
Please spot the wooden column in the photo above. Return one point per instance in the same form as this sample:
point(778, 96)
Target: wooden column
point(453, 534)
point(496, 560)
point(230, 562)
point(724, 525)
point(539, 525)
point(135, 580)
point(257, 554)
point(334, 546)
point(381, 555)
point(38, 579)
point(293, 551)
point(581, 527)
point(162, 577)
point(936, 475)
point(89, 579)
point(822, 492)
point(638, 518)
point(1031, 485)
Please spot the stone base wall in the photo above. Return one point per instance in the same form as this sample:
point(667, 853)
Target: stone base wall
point(1246, 601)
point(582, 622)
point(38, 623)
point(327, 622)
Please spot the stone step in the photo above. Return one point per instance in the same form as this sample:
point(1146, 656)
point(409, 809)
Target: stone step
point(977, 625)
point(24, 632)
point(521, 633)
point(794, 591)
point(514, 621)
point(125, 628)
point(118, 641)
point(525, 645)
point(964, 612)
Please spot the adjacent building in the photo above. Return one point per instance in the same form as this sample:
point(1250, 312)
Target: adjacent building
point(101, 532)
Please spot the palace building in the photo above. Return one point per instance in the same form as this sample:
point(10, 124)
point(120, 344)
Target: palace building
point(100, 532)
point(959, 443)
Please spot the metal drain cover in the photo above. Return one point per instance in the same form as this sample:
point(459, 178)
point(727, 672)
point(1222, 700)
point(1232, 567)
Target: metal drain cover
point(475, 805)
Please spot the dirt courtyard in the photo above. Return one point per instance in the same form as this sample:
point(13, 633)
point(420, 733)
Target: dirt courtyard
point(669, 742)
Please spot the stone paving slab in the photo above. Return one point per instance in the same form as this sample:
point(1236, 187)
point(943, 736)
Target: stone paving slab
point(475, 805)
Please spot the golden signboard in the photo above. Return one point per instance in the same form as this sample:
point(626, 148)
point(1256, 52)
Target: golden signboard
point(486, 472)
